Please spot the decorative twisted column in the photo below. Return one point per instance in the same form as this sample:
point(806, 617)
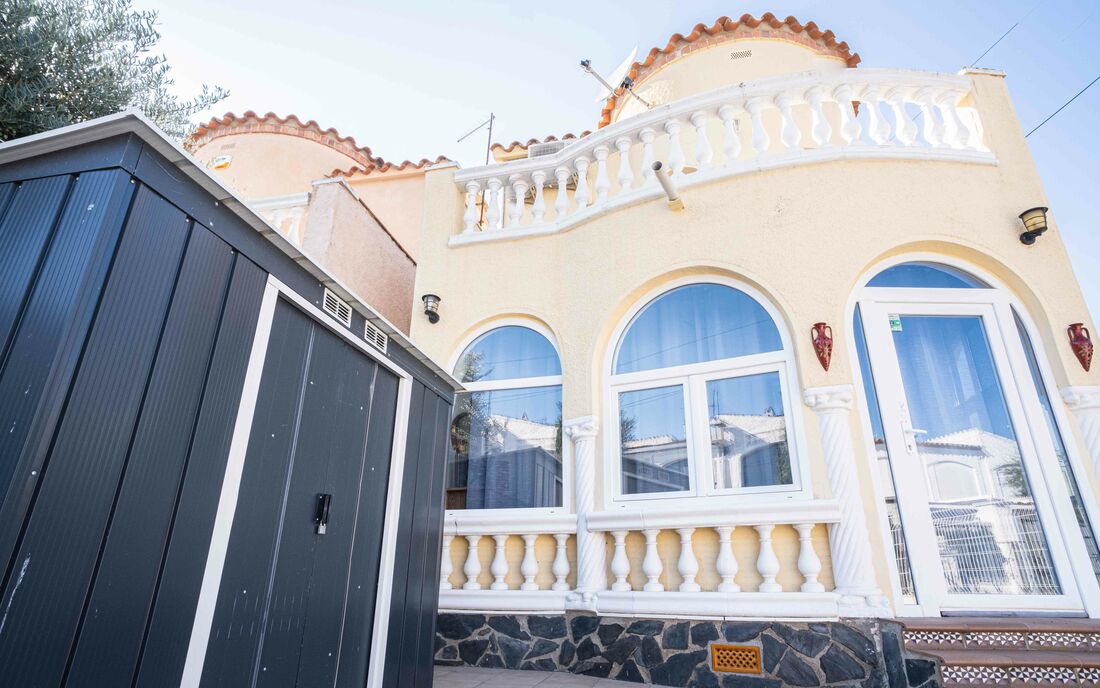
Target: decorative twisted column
point(848, 539)
point(1085, 404)
point(591, 553)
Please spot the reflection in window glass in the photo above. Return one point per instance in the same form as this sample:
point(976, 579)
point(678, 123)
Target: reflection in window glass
point(1060, 449)
point(654, 440)
point(699, 322)
point(925, 276)
point(506, 449)
point(507, 353)
point(748, 433)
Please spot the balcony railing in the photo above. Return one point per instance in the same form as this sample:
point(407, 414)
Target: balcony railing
point(790, 120)
point(285, 213)
point(703, 584)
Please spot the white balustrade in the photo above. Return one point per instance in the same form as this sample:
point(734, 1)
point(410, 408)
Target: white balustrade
point(286, 214)
point(930, 115)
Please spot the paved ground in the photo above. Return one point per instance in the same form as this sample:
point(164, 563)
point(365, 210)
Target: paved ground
point(469, 677)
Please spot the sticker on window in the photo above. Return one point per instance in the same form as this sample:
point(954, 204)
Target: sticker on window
point(895, 322)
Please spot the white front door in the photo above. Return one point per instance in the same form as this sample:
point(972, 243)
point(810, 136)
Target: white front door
point(980, 525)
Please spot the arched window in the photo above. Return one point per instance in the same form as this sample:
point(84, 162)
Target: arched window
point(699, 385)
point(506, 432)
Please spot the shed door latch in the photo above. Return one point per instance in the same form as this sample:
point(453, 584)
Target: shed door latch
point(324, 501)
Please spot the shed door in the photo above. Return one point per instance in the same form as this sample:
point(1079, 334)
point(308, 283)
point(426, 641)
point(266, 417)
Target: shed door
point(296, 606)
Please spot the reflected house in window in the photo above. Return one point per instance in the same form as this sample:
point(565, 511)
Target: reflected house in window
point(515, 463)
point(750, 450)
point(655, 464)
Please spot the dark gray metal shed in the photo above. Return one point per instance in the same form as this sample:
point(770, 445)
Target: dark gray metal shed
point(212, 473)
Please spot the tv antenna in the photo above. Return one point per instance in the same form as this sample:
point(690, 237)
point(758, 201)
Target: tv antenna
point(620, 75)
point(489, 139)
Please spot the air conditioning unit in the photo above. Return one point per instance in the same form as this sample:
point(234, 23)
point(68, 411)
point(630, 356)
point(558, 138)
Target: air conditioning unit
point(538, 150)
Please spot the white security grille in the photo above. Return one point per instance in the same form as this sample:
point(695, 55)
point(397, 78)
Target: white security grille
point(337, 308)
point(376, 337)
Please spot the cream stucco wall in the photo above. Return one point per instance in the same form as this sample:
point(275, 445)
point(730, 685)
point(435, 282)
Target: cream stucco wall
point(801, 235)
point(397, 198)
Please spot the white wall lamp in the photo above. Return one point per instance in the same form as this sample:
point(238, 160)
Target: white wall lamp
point(665, 179)
point(431, 307)
point(1035, 223)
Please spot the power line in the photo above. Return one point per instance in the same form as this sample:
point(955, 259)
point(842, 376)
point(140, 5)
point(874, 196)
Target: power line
point(1063, 107)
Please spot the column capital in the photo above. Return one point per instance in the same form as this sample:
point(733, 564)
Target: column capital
point(581, 428)
point(831, 399)
point(1082, 398)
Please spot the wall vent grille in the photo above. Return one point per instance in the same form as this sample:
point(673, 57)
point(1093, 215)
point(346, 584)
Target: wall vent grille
point(376, 337)
point(735, 659)
point(538, 150)
point(740, 54)
point(337, 308)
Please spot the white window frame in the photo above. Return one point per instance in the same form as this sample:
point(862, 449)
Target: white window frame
point(693, 378)
point(461, 515)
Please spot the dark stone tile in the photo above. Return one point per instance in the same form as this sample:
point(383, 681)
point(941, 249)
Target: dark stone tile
point(546, 626)
point(704, 678)
point(509, 626)
point(703, 632)
point(582, 625)
point(568, 652)
point(676, 637)
point(772, 651)
point(439, 642)
point(471, 650)
point(540, 647)
point(587, 650)
point(892, 657)
point(594, 667)
point(651, 652)
point(483, 633)
point(838, 665)
point(449, 652)
point(860, 645)
point(621, 649)
point(919, 670)
point(646, 627)
point(796, 672)
point(739, 631)
point(512, 651)
point(743, 681)
point(803, 641)
point(544, 664)
point(458, 626)
point(609, 633)
point(630, 672)
point(491, 662)
point(818, 628)
point(678, 669)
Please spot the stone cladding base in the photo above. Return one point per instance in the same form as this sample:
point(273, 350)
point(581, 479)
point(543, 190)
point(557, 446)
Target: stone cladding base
point(863, 653)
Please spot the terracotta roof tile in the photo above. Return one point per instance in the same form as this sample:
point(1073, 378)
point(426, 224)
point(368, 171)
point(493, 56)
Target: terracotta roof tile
point(530, 142)
point(680, 42)
point(387, 167)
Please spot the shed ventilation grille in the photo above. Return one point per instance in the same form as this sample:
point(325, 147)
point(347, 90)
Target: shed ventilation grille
point(337, 308)
point(376, 337)
point(735, 659)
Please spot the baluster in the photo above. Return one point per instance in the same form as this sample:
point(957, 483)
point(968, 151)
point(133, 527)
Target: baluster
point(790, 134)
point(931, 126)
point(472, 567)
point(905, 131)
point(620, 564)
point(878, 128)
point(538, 209)
point(675, 150)
point(492, 212)
point(445, 564)
point(626, 172)
point(731, 146)
point(560, 569)
point(561, 203)
point(581, 194)
point(651, 565)
point(296, 224)
point(850, 128)
point(499, 566)
point(821, 129)
point(727, 563)
point(687, 565)
point(530, 566)
point(470, 217)
point(704, 153)
point(646, 136)
point(760, 139)
point(809, 565)
point(766, 563)
point(958, 135)
point(519, 194)
point(603, 183)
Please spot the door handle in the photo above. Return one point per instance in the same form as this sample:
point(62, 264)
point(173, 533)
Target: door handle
point(320, 518)
point(908, 431)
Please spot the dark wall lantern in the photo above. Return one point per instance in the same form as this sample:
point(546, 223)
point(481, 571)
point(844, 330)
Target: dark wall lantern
point(1035, 223)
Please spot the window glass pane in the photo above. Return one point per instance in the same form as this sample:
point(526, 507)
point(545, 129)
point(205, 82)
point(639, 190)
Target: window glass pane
point(748, 432)
point(507, 353)
point(1060, 450)
point(654, 440)
point(699, 322)
point(506, 449)
point(927, 276)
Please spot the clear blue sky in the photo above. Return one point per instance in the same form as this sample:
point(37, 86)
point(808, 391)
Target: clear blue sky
point(409, 78)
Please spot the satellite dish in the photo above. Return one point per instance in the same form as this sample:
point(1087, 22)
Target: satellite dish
point(616, 77)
